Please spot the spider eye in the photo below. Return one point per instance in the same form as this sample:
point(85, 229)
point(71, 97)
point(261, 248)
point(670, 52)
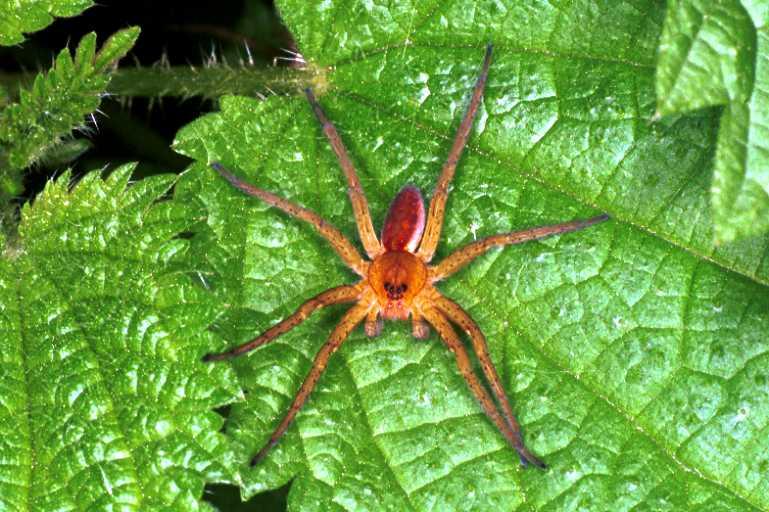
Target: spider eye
point(394, 291)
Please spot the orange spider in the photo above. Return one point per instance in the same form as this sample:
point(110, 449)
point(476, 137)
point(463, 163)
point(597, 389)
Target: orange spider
point(398, 282)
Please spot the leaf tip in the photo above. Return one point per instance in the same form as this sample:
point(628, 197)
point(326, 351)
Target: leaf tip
point(116, 47)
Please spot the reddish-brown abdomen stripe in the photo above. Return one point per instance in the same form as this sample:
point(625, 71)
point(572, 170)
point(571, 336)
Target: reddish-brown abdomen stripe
point(405, 221)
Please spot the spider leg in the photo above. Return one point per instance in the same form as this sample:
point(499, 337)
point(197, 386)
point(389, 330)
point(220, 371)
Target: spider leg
point(336, 295)
point(374, 323)
point(434, 225)
point(338, 241)
point(449, 336)
point(419, 328)
point(348, 322)
point(468, 253)
point(455, 313)
point(355, 191)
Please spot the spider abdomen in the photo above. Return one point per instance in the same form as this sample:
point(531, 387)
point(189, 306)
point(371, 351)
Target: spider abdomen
point(405, 221)
point(397, 277)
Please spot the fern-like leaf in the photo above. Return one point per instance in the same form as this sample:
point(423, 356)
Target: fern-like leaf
point(104, 403)
point(57, 103)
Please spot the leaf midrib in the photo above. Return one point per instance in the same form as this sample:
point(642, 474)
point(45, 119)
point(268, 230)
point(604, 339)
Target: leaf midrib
point(368, 53)
point(367, 424)
point(27, 406)
point(435, 345)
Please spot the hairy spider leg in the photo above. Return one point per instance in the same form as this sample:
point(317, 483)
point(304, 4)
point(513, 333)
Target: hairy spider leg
point(437, 208)
point(338, 241)
point(469, 252)
point(337, 295)
point(455, 313)
point(452, 341)
point(348, 322)
point(355, 191)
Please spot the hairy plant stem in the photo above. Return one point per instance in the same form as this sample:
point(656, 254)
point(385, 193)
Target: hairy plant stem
point(187, 81)
point(208, 82)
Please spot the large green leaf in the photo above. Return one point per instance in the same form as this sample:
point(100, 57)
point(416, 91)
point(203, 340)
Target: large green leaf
point(104, 402)
point(20, 16)
point(715, 53)
point(56, 104)
point(635, 352)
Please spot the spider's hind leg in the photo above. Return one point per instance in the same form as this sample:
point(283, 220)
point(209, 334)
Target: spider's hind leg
point(452, 341)
point(348, 322)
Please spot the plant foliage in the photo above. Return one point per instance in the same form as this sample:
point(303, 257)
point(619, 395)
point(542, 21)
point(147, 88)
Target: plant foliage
point(56, 104)
point(715, 53)
point(21, 16)
point(104, 402)
point(635, 352)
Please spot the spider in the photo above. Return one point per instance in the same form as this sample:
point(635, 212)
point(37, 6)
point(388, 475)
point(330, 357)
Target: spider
point(397, 280)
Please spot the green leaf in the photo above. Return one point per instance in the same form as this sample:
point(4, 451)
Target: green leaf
point(115, 48)
point(57, 103)
point(20, 16)
point(104, 402)
point(715, 53)
point(634, 352)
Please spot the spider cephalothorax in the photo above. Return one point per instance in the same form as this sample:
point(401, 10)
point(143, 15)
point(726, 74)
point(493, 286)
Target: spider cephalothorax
point(397, 278)
point(398, 281)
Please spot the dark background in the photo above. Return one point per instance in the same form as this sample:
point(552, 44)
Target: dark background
point(179, 33)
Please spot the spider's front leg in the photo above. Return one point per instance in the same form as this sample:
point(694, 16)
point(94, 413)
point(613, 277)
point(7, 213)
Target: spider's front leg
point(464, 255)
point(437, 208)
point(455, 313)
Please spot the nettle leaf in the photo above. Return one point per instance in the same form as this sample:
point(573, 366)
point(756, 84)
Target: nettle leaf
point(715, 53)
point(635, 352)
point(104, 403)
point(22, 16)
point(57, 103)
